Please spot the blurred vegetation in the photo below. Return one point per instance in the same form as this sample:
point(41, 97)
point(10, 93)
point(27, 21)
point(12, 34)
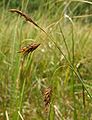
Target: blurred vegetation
point(71, 7)
point(78, 6)
point(63, 61)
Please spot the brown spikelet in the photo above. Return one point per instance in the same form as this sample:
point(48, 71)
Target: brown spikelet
point(27, 18)
point(47, 98)
point(27, 49)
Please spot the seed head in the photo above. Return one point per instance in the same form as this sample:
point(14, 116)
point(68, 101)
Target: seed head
point(29, 48)
point(47, 97)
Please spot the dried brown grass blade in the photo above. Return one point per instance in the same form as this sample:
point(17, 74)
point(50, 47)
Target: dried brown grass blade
point(27, 18)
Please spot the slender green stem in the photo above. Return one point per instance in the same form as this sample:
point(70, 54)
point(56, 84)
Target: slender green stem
point(73, 78)
point(21, 97)
point(65, 42)
point(71, 66)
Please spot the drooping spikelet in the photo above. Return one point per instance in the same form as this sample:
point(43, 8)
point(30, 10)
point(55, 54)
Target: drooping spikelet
point(27, 49)
point(27, 17)
point(47, 98)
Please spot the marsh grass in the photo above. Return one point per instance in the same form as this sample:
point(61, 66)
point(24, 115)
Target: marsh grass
point(62, 61)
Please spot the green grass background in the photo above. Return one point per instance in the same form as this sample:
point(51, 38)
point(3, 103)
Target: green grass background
point(63, 61)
